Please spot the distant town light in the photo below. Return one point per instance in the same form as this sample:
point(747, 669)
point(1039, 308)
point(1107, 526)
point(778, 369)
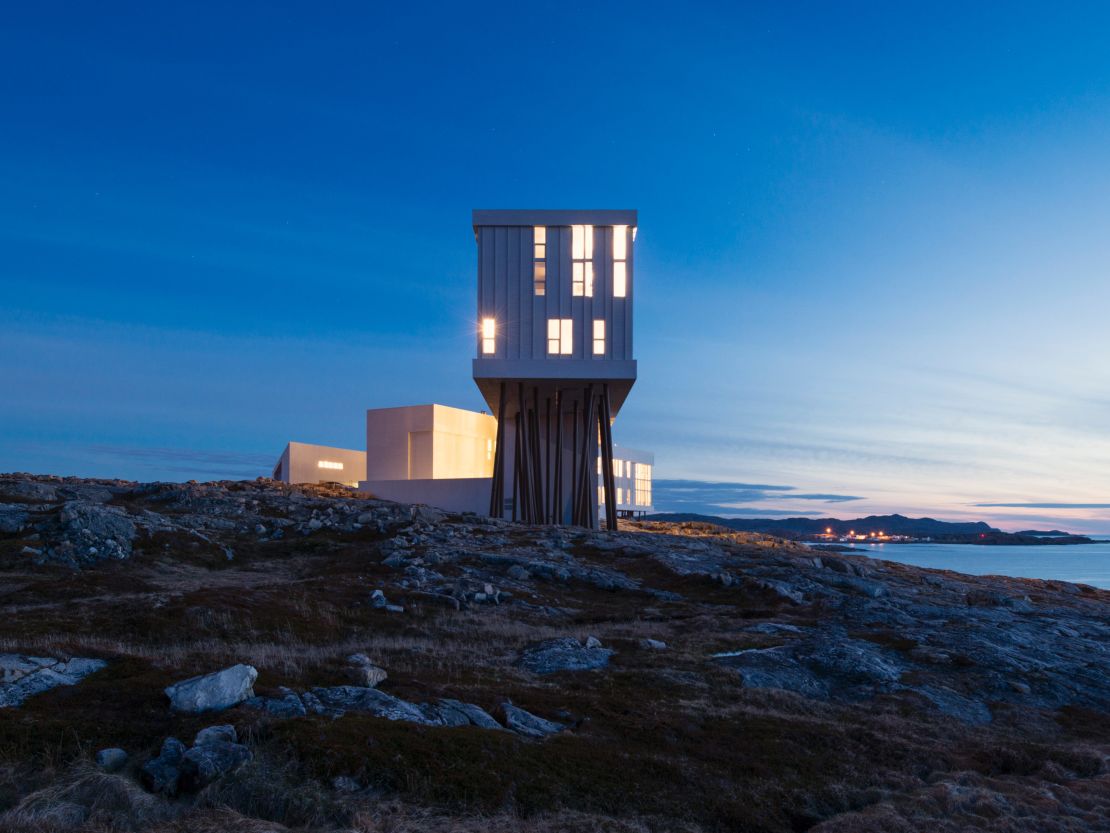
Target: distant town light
point(328, 464)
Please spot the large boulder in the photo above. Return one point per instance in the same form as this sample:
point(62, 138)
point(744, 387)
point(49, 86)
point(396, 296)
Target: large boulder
point(565, 654)
point(213, 692)
point(22, 676)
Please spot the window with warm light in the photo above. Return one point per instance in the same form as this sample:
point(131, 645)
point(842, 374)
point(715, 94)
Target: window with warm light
point(489, 336)
point(643, 484)
point(539, 259)
point(582, 257)
point(620, 261)
point(560, 336)
point(599, 337)
point(328, 464)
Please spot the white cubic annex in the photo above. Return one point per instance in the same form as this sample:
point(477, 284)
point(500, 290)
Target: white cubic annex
point(554, 363)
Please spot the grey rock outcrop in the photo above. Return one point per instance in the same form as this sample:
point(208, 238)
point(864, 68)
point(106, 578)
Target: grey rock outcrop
point(563, 654)
point(90, 532)
point(23, 676)
point(213, 692)
point(346, 698)
point(12, 518)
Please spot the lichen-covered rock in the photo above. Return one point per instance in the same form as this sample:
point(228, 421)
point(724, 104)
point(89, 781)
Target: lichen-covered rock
point(365, 673)
point(564, 654)
point(474, 715)
point(23, 676)
point(213, 692)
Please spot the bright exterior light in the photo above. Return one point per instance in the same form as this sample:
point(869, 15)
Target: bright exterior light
point(489, 334)
point(328, 464)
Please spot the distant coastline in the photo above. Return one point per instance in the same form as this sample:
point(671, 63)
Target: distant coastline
point(840, 535)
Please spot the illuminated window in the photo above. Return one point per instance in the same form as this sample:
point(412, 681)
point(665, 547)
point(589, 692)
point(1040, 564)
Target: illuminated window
point(489, 449)
point(560, 336)
point(643, 484)
point(599, 337)
point(539, 259)
point(620, 495)
point(489, 336)
point(328, 464)
point(620, 261)
point(616, 468)
point(582, 255)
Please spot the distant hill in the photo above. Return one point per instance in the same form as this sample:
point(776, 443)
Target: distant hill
point(797, 527)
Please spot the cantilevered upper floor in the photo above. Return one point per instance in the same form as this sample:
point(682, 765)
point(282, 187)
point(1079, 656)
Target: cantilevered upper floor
point(555, 297)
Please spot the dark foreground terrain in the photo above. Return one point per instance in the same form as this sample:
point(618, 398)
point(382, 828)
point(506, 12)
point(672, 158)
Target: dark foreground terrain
point(390, 668)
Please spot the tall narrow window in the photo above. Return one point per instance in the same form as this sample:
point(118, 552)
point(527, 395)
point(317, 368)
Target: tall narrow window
point(599, 336)
point(560, 336)
point(489, 336)
point(582, 257)
point(620, 261)
point(539, 259)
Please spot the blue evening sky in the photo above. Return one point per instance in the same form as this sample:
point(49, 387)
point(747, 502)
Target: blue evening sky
point(873, 264)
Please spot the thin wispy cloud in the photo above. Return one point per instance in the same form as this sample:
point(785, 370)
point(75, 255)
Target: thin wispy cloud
point(1042, 505)
point(712, 498)
point(195, 463)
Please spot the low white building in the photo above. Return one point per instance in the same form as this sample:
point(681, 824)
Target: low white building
point(443, 457)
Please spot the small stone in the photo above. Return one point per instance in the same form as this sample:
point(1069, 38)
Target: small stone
point(111, 759)
point(225, 733)
point(202, 765)
point(365, 673)
point(377, 599)
point(1020, 687)
point(653, 644)
point(592, 642)
point(345, 784)
point(519, 573)
point(394, 609)
point(315, 524)
point(259, 529)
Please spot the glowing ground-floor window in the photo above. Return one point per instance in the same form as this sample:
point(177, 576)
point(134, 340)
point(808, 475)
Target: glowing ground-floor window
point(560, 336)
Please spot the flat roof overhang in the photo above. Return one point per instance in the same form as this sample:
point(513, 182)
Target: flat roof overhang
point(553, 217)
point(569, 375)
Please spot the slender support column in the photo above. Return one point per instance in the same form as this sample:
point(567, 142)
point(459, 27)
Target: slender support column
point(548, 486)
point(538, 493)
point(557, 491)
point(517, 502)
point(586, 502)
point(575, 466)
point(606, 432)
point(497, 486)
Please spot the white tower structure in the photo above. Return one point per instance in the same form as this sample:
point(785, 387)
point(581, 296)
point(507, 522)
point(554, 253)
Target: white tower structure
point(554, 356)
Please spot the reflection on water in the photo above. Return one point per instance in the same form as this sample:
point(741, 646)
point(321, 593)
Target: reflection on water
point(1079, 563)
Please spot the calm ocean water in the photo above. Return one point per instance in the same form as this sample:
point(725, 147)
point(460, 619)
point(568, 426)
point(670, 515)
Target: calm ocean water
point(1080, 563)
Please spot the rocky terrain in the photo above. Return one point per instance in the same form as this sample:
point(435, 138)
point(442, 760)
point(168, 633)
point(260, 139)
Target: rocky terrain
point(253, 656)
